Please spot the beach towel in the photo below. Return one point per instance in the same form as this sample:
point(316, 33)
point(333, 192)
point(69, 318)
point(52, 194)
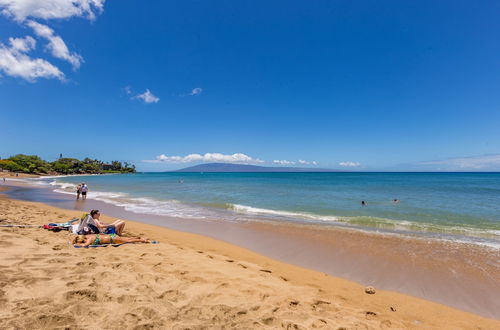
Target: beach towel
point(60, 226)
point(20, 226)
point(99, 245)
point(108, 244)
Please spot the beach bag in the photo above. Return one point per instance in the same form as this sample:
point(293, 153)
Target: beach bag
point(87, 226)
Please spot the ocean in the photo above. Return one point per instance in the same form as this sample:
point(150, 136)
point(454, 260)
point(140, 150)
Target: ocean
point(462, 207)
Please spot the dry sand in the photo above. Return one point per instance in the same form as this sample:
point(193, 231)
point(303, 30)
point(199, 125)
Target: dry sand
point(186, 282)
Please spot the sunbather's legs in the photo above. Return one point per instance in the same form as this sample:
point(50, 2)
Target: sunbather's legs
point(120, 240)
point(119, 225)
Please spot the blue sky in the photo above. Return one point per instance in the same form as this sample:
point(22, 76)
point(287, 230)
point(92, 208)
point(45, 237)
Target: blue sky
point(365, 85)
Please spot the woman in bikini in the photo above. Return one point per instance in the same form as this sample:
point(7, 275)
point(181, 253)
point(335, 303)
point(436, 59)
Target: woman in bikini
point(100, 239)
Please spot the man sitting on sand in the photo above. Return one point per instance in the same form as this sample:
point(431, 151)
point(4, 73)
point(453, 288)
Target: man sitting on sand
point(100, 239)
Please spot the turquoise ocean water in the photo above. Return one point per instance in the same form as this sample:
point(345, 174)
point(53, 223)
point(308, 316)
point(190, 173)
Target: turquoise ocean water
point(457, 206)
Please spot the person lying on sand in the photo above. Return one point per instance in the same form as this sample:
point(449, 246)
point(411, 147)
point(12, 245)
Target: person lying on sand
point(100, 239)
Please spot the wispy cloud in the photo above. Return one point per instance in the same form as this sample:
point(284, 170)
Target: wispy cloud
point(56, 45)
point(50, 9)
point(305, 162)
point(16, 62)
point(208, 158)
point(196, 91)
point(292, 162)
point(283, 162)
point(350, 164)
point(127, 90)
point(147, 97)
point(472, 163)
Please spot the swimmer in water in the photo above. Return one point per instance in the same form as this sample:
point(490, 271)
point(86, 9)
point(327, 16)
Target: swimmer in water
point(363, 203)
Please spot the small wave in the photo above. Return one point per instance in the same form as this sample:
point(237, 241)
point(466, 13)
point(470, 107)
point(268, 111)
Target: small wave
point(143, 205)
point(279, 213)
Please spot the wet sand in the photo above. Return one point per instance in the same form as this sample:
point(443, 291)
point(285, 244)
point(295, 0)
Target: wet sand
point(464, 276)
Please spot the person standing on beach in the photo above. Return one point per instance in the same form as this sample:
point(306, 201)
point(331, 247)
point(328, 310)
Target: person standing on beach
point(84, 190)
point(78, 191)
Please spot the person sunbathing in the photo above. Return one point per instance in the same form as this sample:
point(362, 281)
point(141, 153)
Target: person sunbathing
point(101, 239)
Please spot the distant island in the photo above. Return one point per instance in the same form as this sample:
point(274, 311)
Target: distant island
point(227, 167)
point(32, 164)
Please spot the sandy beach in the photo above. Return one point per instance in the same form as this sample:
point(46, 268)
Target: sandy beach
point(187, 281)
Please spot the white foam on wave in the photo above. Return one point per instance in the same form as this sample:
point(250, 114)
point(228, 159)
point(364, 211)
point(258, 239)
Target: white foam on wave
point(140, 205)
point(259, 211)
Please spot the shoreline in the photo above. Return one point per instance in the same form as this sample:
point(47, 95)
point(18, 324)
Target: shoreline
point(323, 290)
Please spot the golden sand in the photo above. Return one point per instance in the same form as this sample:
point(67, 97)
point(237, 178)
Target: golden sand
point(187, 281)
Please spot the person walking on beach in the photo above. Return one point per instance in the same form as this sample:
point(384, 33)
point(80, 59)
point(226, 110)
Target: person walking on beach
point(78, 191)
point(84, 190)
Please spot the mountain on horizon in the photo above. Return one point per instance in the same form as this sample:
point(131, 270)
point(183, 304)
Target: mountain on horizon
point(228, 167)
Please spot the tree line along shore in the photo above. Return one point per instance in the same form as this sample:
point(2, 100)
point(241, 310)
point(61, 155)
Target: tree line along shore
point(32, 164)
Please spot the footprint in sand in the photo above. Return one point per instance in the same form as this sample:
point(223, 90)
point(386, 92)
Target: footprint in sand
point(385, 324)
point(172, 295)
point(269, 320)
point(82, 294)
point(319, 323)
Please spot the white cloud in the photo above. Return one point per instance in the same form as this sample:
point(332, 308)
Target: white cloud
point(128, 90)
point(196, 91)
point(15, 62)
point(208, 158)
point(20, 10)
point(350, 164)
point(291, 162)
point(474, 163)
point(283, 162)
point(56, 45)
point(50, 9)
point(304, 162)
point(147, 97)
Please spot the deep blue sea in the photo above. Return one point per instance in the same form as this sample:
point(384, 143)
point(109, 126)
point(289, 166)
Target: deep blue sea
point(450, 205)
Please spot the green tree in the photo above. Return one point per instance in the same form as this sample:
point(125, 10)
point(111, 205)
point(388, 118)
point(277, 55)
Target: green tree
point(30, 163)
